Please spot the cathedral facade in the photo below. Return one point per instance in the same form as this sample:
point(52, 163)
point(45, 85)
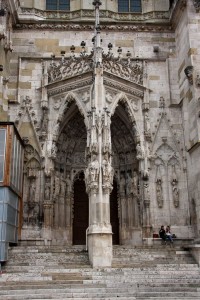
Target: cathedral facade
point(106, 98)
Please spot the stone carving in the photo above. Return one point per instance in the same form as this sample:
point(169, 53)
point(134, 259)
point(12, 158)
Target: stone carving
point(175, 192)
point(47, 190)
point(128, 69)
point(44, 124)
point(159, 192)
point(162, 102)
point(56, 131)
point(32, 189)
point(140, 152)
point(124, 68)
point(189, 74)
point(107, 171)
point(92, 172)
point(54, 150)
point(68, 185)
point(147, 129)
point(197, 80)
point(62, 186)
point(57, 103)
point(128, 184)
point(122, 185)
point(69, 67)
point(88, 13)
point(56, 186)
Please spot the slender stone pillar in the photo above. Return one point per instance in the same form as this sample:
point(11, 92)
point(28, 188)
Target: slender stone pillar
point(99, 173)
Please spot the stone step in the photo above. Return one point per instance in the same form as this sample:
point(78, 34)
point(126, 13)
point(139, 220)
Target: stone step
point(66, 295)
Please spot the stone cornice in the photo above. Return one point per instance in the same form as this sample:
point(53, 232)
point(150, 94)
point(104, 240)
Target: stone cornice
point(89, 27)
point(123, 85)
point(70, 84)
point(35, 15)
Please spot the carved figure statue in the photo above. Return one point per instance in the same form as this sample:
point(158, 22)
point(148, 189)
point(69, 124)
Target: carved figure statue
point(62, 186)
point(159, 193)
point(135, 183)
point(128, 184)
point(175, 192)
point(107, 170)
point(56, 185)
point(53, 150)
point(47, 191)
point(94, 169)
point(140, 154)
point(32, 189)
point(122, 185)
point(147, 123)
point(68, 185)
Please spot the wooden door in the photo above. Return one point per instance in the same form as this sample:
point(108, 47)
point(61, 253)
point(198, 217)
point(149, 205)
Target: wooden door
point(81, 211)
point(114, 218)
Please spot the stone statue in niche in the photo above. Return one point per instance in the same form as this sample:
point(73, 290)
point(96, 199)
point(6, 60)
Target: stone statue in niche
point(159, 192)
point(122, 185)
point(135, 183)
point(175, 189)
point(56, 131)
point(62, 186)
point(56, 185)
point(47, 191)
point(107, 170)
point(140, 154)
point(68, 185)
point(44, 125)
point(175, 192)
point(128, 184)
point(92, 172)
point(54, 150)
point(146, 123)
point(32, 189)
point(162, 102)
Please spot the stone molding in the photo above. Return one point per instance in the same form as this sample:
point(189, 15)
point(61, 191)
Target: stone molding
point(81, 14)
point(89, 27)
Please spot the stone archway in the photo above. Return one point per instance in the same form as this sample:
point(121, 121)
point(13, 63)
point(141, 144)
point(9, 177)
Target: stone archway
point(68, 185)
point(126, 168)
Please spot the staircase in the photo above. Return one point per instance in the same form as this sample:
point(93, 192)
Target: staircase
point(64, 273)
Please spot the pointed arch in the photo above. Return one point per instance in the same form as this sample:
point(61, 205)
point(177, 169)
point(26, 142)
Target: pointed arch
point(122, 97)
point(70, 97)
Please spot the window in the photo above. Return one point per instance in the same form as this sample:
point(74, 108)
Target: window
point(58, 4)
point(129, 6)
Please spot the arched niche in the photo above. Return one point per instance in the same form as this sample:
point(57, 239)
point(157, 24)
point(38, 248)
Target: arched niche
point(126, 168)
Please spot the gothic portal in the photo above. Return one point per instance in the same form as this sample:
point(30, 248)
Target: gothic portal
point(107, 105)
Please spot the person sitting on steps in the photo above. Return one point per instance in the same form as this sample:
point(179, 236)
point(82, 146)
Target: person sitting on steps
point(162, 234)
point(168, 234)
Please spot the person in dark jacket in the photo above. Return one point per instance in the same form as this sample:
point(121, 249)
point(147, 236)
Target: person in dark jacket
point(162, 234)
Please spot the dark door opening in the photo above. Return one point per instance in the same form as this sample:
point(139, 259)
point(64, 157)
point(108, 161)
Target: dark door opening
point(81, 211)
point(114, 218)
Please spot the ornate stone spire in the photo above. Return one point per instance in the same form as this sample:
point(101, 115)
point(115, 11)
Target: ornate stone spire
point(97, 35)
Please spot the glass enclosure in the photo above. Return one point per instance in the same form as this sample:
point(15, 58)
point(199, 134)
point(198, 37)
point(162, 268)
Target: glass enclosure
point(11, 174)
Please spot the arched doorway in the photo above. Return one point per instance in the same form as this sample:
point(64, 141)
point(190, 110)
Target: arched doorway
point(126, 168)
point(114, 217)
point(81, 211)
